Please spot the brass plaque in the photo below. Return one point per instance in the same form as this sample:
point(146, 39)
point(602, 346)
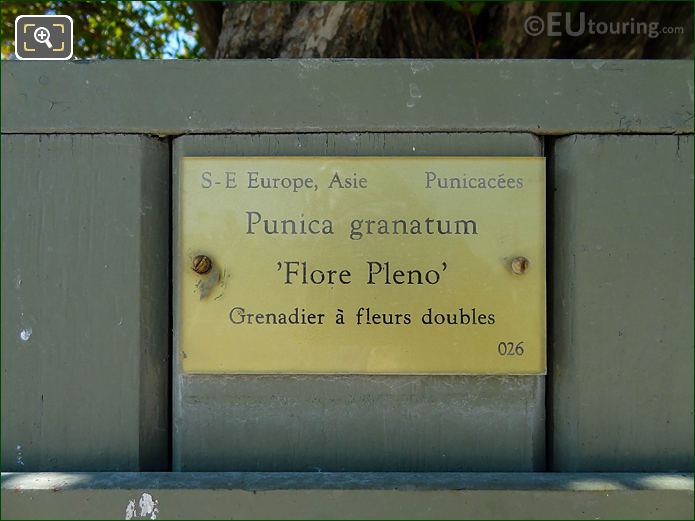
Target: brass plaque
point(374, 265)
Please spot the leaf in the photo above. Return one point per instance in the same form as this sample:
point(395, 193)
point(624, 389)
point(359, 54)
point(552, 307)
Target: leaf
point(111, 29)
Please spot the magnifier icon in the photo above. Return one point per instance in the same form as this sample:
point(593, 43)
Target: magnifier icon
point(43, 35)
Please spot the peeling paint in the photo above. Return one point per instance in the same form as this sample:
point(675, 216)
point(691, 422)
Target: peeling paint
point(415, 94)
point(130, 510)
point(149, 508)
point(310, 63)
point(419, 66)
point(598, 64)
point(20, 460)
point(25, 334)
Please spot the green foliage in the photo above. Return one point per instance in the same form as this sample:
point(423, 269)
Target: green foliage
point(474, 8)
point(116, 29)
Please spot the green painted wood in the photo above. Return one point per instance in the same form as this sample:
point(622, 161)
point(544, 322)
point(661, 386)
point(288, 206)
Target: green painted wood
point(177, 97)
point(85, 255)
point(356, 423)
point(622, 314)
point(328, 495)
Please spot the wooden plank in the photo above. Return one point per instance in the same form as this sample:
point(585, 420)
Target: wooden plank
point(223, 96)
point(622, 347)
point(85, 255)
point(327, 495)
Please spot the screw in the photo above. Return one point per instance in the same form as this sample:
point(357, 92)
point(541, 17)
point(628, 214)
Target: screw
point(202, 264)
point(520, 265)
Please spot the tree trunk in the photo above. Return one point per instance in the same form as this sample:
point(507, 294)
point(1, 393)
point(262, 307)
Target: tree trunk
point(436, 30)
point(209, 18)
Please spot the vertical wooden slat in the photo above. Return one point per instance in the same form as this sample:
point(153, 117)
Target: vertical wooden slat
point(85, 254)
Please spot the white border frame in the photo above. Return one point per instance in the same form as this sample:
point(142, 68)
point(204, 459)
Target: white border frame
point(72, 36)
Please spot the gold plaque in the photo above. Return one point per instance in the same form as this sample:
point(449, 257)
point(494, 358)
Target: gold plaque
point(374, 265)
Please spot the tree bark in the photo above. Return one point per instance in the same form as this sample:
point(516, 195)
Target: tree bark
point(443, 30)
point(209, 18)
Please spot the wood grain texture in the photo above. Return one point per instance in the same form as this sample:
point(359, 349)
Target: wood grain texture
point(622, 348)
point(239, 96)
point(85, 257)
point(356, 423)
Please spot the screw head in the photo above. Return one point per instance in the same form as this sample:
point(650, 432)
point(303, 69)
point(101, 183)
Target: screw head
point(520, 265)
point(202, 264)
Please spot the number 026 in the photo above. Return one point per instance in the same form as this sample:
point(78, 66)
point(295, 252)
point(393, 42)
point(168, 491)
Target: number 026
point(510, 348)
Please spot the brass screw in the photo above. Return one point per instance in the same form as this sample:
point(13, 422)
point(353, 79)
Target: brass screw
point(520, 265)
point(202, 264)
